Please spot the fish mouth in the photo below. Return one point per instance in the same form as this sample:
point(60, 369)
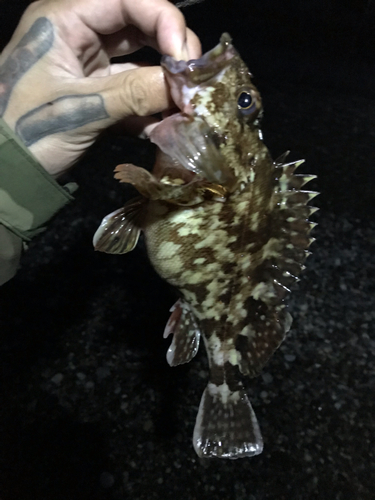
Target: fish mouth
point(196, 71)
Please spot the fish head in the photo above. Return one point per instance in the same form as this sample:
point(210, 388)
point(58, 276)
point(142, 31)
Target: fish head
point(216, 86)
point(218, 123)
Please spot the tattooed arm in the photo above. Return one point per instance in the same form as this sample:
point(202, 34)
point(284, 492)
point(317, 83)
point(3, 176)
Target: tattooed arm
point(59, 90)
point(58, 87)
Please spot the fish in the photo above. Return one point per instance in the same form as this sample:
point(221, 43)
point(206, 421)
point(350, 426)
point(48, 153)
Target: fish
point(228, 227)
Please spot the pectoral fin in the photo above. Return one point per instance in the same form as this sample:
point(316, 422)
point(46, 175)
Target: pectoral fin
point(119, 231)
point(170, 189)
point(144, 182)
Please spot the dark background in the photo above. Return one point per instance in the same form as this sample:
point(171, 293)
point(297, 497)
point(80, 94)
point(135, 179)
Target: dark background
point(89, 407)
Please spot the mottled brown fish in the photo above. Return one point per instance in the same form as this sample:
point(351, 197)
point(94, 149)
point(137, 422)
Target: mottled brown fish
point(228, 227)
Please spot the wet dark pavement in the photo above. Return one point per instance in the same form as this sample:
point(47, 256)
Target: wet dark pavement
point(89, 407)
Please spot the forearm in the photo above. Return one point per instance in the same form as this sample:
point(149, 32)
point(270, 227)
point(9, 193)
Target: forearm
point(29, 197)
point(10, 254)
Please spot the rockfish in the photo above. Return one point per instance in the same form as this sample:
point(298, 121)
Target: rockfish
point(228, 227)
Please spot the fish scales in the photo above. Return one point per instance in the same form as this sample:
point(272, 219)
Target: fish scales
point(228, 227)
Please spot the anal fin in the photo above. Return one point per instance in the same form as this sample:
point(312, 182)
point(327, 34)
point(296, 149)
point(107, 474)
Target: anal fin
point(186, 334)
point(226, 425)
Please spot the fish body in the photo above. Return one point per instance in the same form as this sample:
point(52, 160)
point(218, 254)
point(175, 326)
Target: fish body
point(228, 227)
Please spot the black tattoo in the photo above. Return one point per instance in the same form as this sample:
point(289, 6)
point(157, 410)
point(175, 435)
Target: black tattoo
point(33, 45)
point(60, 115)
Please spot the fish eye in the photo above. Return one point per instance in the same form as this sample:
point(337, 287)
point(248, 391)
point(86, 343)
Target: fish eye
point(246, 102)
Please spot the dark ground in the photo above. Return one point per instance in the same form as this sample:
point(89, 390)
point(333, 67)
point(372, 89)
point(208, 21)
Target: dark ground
point(89, 407)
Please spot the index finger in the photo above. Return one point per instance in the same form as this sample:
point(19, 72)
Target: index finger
point(157, 19)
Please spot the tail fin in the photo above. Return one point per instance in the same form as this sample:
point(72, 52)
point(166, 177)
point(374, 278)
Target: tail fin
point(226, 425)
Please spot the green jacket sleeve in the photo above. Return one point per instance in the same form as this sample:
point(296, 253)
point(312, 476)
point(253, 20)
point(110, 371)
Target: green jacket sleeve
point(29, 197)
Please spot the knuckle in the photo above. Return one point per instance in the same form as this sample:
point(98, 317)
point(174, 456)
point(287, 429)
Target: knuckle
point(136, 95)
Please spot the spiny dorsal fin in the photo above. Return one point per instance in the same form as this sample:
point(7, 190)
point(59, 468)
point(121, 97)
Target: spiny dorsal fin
point(279, 263)
point(291, 227)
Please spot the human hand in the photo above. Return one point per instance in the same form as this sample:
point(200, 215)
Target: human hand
point(58, 88)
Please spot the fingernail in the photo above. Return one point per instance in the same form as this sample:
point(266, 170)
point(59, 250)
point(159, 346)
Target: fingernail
point(184, 52)
point(179, 48)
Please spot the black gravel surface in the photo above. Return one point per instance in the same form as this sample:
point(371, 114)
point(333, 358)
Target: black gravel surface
point(89, 407)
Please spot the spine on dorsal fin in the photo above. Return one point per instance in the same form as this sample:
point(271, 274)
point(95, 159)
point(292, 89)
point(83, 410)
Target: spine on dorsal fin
point(299, 180)
point(281, 159)
point(293, 198)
